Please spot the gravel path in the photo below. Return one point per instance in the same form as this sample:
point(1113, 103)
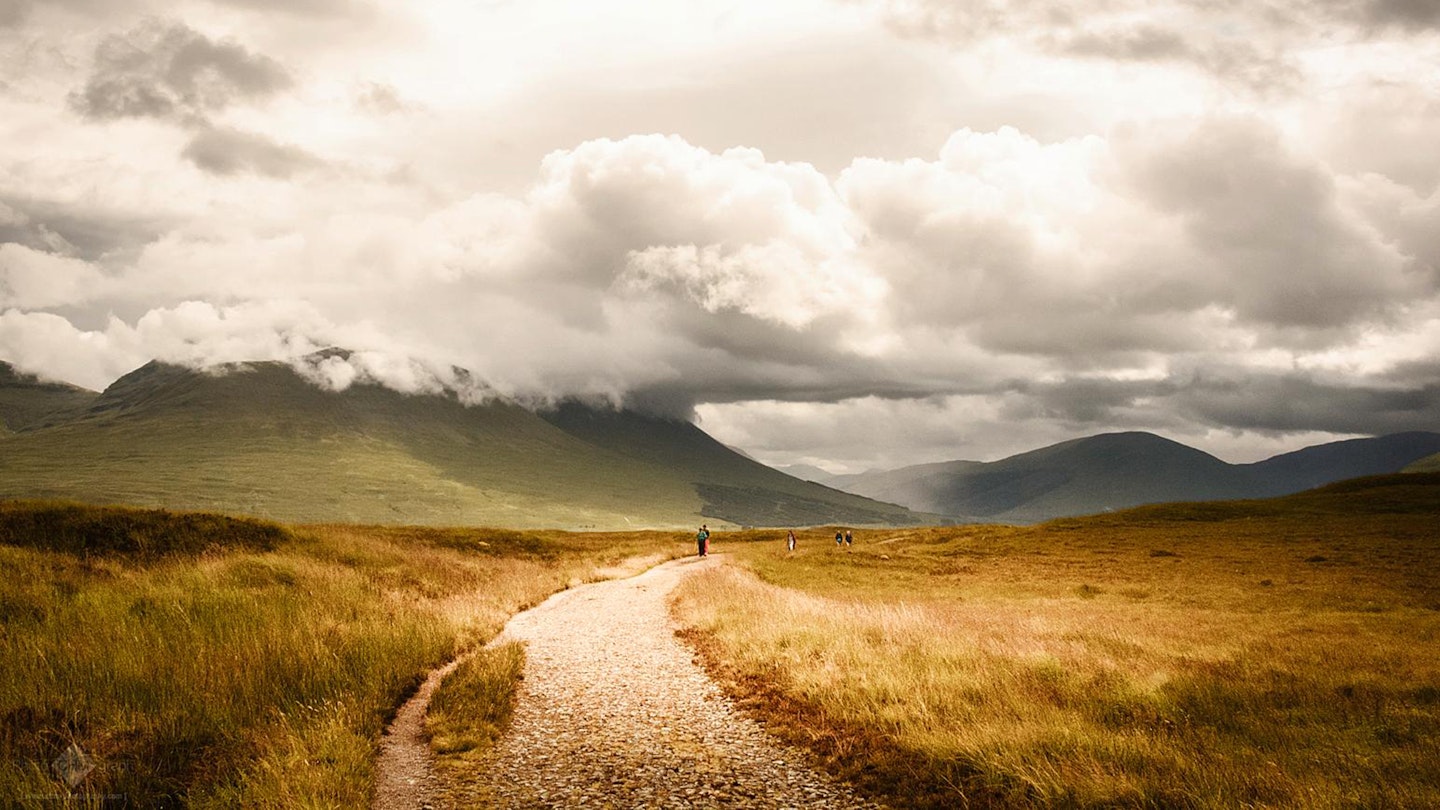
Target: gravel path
point(615, 712)
point(405, 773)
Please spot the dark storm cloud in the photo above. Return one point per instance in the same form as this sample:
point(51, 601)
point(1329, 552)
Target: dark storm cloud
point(1234, 399)
point(1411, 14)
point(1143, 42)
point(1273, 241)
point(1239, 61)
point(1297, 402)
point(78, 229)
point(226, 151)
point(168, 70)
point(13, 12)
point(1082, 401)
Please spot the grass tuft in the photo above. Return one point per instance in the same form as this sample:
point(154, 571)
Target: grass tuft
point(473, 704)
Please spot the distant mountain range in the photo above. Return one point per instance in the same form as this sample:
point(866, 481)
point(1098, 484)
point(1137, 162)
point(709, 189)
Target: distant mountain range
point(259, 439)
point(1120, 470)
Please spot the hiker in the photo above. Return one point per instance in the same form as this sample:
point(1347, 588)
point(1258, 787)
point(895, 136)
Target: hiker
point(839, 539)
point(790, 540)
point(849, 539)
point(702, 541)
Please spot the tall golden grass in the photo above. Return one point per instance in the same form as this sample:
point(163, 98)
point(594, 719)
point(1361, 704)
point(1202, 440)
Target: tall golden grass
point(1279, 654)
point(211, 671)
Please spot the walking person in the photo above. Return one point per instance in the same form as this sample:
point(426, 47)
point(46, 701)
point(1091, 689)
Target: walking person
point(702, 541)
point(849, 539)
point(839, 539)
point(790, 540)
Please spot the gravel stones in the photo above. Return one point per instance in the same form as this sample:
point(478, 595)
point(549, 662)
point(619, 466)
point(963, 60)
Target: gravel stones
point(614, 711)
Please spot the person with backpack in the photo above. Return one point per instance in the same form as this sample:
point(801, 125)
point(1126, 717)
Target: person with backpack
point(702, 541)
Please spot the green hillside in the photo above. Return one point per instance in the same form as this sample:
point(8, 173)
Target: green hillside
point(258, 439)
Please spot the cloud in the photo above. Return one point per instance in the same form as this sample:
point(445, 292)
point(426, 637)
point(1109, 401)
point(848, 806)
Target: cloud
point(1260, 50)
point(225, 151)
point(13, 12)
point(84, 229)
point(18, 228)
point(318, 8)
point(51, 347)
point(168, 70)
point(1079, 282)
point(1092, 216)
point(31, 279)
point(379, 98)
point(192, 333)
point(1266, 234)
point(1411, 14)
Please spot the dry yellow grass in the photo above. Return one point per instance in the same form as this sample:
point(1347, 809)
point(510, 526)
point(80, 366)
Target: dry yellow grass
point(1271, 654)
point(195, 671)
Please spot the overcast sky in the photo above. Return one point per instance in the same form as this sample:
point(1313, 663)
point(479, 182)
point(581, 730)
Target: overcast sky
point(855, 233)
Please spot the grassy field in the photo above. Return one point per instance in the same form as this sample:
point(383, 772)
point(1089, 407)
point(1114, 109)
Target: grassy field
point(1271, 653)
point(202, 661)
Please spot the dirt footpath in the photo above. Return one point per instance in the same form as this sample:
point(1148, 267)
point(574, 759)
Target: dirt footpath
point(615, 712)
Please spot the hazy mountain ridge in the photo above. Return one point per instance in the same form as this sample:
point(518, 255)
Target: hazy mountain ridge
point(1120, 470)
point(258, 438)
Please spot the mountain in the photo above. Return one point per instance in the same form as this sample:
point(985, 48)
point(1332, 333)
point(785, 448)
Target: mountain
point(734, 487)
point(1322, 464)
point(26, 402)
point(808, 472)
point(259, 439)
point(919, 483)
point(1120, 470)
point(1427, 464)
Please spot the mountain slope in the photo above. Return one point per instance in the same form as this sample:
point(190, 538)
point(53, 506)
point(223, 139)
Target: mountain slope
point(1115, 471)
point(1322, 464)
point(921, 483)
point(1094, 474)
point(734, 487)
point(808, 472)
point(259, 439)
point(1427, 464)
point(27, 403)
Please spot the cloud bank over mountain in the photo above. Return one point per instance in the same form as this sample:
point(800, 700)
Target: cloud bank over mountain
point(1016, 225)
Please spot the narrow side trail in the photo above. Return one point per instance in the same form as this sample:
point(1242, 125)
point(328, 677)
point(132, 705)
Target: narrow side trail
point(615, 712)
